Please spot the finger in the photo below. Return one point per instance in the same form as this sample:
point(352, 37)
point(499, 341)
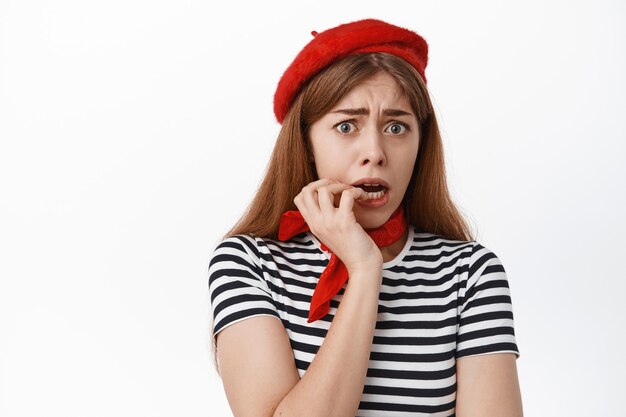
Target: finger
point(349, 196)
point(309, 197)
point(301, 205)
point(313, 186)
point(325, 197)
point(309, 192)
point(328, 197)
point(310, 206)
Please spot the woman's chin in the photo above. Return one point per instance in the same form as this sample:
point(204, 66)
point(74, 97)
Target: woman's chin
point(373, 218)
point(371, 221)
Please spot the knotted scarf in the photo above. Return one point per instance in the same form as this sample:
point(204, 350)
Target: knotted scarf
point(335, 274)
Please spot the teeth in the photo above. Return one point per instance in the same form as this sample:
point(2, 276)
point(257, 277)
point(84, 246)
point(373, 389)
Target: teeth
point(379, 194)
point(373, 195)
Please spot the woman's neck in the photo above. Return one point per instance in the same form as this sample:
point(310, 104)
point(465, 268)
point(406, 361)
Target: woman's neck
point(391, 251)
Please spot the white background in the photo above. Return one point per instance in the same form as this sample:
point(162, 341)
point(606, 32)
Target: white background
point(134, 132)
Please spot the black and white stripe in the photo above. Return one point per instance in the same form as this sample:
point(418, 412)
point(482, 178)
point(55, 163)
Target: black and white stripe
point(440, 300)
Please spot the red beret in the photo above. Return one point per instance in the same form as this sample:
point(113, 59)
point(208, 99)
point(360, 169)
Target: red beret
point(369, 35)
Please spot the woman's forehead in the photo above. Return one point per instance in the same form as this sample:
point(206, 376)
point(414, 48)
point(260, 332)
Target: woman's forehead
point(374, 95)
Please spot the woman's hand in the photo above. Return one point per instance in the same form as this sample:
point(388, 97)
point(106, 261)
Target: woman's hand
point(337, 227)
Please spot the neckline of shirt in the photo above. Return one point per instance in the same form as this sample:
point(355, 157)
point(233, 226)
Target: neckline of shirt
point(386, 265)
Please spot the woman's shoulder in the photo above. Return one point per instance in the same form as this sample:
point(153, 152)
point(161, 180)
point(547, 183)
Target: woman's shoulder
point(425, 240)
point(240, 241)
point(257, 246)
point(436, 244)
point(235, 249)
point(472, 262)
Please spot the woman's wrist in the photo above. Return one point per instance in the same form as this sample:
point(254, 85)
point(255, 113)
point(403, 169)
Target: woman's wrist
point(366, 271)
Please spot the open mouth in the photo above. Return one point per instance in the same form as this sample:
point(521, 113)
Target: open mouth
point(374, 191)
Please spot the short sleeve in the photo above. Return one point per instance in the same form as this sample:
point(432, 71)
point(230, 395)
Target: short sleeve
point(237, 290)
point(486, 310)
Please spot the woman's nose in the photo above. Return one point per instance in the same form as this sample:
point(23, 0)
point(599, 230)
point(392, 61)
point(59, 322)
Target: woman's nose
point(372, 152)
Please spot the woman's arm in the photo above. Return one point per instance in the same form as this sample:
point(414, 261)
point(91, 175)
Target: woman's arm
point(256, 365)
point(256, 360)
point(488, 386)
point(258, 370)
point(333, 384)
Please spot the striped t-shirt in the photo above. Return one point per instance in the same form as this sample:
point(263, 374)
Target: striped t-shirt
point(440, 300)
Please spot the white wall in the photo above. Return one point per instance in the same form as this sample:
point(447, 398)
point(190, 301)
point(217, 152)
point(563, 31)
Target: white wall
point(125, 127)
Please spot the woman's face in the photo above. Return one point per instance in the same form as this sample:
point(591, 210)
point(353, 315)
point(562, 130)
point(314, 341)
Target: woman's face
point(370, 137)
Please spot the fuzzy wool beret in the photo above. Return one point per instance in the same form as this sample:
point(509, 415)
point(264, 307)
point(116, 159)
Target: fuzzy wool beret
point(369, 35)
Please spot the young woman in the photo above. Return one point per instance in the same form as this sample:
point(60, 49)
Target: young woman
point(386, 306)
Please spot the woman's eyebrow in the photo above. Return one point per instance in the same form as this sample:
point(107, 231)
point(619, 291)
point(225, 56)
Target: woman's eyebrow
point(396, 112)
point(362, 111)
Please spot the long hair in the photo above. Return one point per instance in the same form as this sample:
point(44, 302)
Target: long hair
point(427, 203)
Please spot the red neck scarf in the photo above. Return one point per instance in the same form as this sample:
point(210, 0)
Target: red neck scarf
point(335, 275)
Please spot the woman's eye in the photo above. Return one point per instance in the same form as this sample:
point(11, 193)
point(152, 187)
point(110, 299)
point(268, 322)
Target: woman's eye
point(397, 128)
point(344, 127)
